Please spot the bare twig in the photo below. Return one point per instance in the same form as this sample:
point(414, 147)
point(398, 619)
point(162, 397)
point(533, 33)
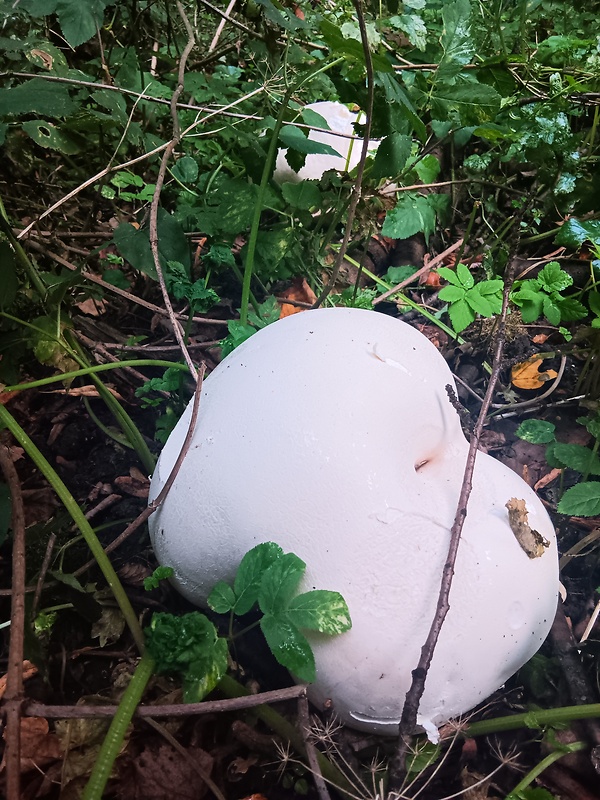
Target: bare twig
point(177, 329)
point(154, 504)
point(408, 719)
point(311, 755)
point(221, 26)
point(43, 572)
point(430, 265)
point(357, 188)
point(167, 710)
point(225, 15)
point(13, 695)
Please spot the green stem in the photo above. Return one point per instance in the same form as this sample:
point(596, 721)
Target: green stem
point(113, 741)
point(21, 255)
point(533, 719)
point(78, 373)
point(543, 765)
point(79, 519)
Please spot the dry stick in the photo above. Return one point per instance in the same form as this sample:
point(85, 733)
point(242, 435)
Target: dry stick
point(115, 289)
point(311, 755)
point(357, 188)
point(221, 26)
point(13, 695)
point(177, 329)
point(167, 710)
point(225, 16)
point(408, 720)
point(154, 504)
point(42, 576)
point(430, 265)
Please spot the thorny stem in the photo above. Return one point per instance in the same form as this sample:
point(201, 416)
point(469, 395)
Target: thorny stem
point(14, 676)
point(357, 189)
point(408, 720)
point(177, 330)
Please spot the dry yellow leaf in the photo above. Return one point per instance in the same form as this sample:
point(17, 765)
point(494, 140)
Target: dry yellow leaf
point(528, 376)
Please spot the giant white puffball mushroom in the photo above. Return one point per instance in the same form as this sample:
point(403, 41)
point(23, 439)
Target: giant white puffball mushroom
point(330, 432)
point(340, 120)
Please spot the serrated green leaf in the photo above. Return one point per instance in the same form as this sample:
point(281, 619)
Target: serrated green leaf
point(573, 233)
point(304, 195)
point(473, 102)
point(571, 309)
point(582, 500)
point(551, 311)
point(457, 44)
point(449, 275)
point(591, 424)
point(250, 574)
point(553, 278)
point(80, 19)
point(461, 315)
point(536, 431)
point(480, 305)
point(294, 137)
point(222, 598)
point(412, 214)
point(315, 120)
point(46, 134)
point(279, 583)
point(451, 294)
point(320, 610)
point(577, 457)
point(487, 288)
point(465, 276)
point(289, 646)
point(394, 93)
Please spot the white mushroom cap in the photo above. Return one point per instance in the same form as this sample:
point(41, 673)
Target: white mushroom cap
point(330, 432)
point(341, 120)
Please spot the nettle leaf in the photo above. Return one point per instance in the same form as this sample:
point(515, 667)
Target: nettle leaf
point(391, 157)
point(553, 278)
point(37, 96)
point(577, 457)
point(294, 137)
point(304, 195)
point(573, 233)
point(289, 646)
point(582, 500)
point(394, 93)
point(251, 570)
point(536, 431)
point(412, 214)
point(222, 598)
point(474, 102)
point(80, 19)
point(279, 583)
point(320, 610)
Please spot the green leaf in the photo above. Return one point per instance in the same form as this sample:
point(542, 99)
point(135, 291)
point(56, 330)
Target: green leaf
point(412, 214)
point(222, 598)
point(551, 311)
point(320, 610)
point(457, 45)
point(281, 16)
point(451, 294)
point(134, 244)
point(536, 431)
point(450, 275)
point(553, 278)
point(350, 47)
point(37, 96)
point(290, 647)
point(391, 157)
point(570, 309)
point(294, 137)
point(186, 169)
point(465, 276)
point(250, 574)
point(48, 135)
point(577, 457)
point(594, 302)
point(279, 583)
point(474, 102)
point(461, 315)
point(80, 19)
point(428, 168)
point(304, 195)
point(480, 305)
point(159, 574)
point(591, 424)
point(582, 500)
point(238, 333)
point(310, 117)
point(394, 93)
point(204, 674)
point(573, 233)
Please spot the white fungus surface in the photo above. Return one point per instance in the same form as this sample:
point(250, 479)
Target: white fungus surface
point(330, 432)
point(341, 120)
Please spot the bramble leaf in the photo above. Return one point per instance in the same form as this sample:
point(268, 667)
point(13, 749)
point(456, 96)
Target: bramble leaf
point(279, 583)
point(582, 500)
point(320, 610)
point(289, 646)
point(250, 574)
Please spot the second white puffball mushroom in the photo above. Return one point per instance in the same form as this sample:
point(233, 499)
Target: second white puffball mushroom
point(331, 433)
point(340, 120)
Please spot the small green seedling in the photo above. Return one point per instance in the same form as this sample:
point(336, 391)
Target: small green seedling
point(467, 298)
point(542, 297)
point(583, 499)
point(159, 574)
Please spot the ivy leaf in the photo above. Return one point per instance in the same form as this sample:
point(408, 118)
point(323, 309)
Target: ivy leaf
point(320, 610)
point(250, 573)
point(536, 431)
point(582, 500)
point(412, 214)
point(289, 646)
point(279, 582)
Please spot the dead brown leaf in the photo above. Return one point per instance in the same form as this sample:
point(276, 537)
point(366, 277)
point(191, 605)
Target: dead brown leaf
point(300, 292)
point(40, 505)
point(28, 669)
point(528, 376)
point(159, 772)
point(39, 747)
point(135, 484)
